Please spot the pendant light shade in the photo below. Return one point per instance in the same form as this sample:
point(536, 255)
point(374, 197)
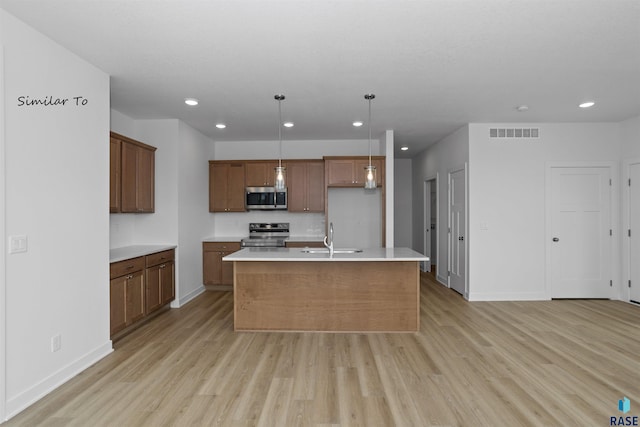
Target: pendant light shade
point(280, 171)
point(370, 171)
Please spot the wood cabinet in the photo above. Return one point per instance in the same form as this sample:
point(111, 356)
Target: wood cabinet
point(138, 287)
point(132, 181)
point(215, 271)
point(159, 280)
point(226, 186)
point(115, 185)
point(307, 244)
point(126, 293)
point(305, 186)
point(350, 171)
point(259, 173)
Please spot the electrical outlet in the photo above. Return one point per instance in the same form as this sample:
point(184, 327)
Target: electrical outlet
point(18, 244)
point(56, 343)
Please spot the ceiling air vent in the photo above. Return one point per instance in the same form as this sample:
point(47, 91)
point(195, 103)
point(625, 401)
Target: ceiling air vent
point(514, 133)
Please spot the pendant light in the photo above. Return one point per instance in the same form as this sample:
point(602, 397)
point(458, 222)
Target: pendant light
point(279, 170)
point(370, 171)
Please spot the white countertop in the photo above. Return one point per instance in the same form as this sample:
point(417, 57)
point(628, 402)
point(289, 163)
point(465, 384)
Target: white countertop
point(128, 252)
point(297, 254)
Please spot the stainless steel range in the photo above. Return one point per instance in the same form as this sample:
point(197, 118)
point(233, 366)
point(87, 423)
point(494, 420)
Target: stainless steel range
point(266, 235)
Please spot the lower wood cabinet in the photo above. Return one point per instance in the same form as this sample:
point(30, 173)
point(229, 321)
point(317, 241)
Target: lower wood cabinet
point(138, 287)
point(309, 244)
point(159, 286)
point(215, 271)
point(126, 293)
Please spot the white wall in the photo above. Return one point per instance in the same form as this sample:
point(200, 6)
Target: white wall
point(57, 186)
point(630, 136)
point(402, 206)
point(507, 194)
point(194, 223)
point(3, 287)
point(437, 160)
point(356, 215)
point(386, 147)
point(312, 149)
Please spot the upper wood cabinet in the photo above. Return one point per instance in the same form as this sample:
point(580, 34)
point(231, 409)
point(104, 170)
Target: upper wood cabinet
point(305, 186)
point(226, 186)
point(259, 173)
point(132, 178)
point(350, 171)
point(114, 174)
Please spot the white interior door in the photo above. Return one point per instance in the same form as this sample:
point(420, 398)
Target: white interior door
point(457, 233)
point(634, 231)
point(426, 224)
point(580, 240)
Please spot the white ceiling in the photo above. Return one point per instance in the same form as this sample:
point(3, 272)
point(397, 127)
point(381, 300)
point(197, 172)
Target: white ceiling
point(433, 65)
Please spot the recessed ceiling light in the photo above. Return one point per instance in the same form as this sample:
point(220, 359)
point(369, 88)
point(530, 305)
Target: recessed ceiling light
point(522, 108)
point(358, 123)
point(221, 125)
point(404, 148)
point(587, 104)
point(288, 124)
point(191, 102)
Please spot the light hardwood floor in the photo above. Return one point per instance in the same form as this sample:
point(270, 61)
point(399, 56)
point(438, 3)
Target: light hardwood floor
point(551, 363)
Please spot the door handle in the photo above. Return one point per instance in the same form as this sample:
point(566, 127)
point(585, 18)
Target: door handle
point(555, 239)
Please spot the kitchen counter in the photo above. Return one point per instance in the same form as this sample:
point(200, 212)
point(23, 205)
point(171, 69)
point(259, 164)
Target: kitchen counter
point(286, 289)
point(305, 238)
point(128, 252)
point(223, 239)
point(239, 238)
point(297, 254)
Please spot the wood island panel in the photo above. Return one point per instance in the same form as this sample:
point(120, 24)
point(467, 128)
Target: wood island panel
point(326, 296)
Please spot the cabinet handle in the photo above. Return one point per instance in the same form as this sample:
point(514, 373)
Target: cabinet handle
point(162, 265)
point(130, 267)
point(130, 276)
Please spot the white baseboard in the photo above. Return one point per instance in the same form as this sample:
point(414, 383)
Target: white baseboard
point(508, 296)
point(191, 295)
point(17, 404)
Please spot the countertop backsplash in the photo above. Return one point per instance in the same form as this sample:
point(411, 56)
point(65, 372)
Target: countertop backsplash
point(237, 223)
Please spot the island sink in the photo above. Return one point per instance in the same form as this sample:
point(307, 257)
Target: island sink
point(327, 251)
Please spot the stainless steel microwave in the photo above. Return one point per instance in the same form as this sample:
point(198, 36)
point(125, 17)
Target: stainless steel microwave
point(265, 198)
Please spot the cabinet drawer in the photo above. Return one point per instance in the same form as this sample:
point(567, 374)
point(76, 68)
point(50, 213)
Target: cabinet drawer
point(221, 246)
point(127, 266)
point(160, 257)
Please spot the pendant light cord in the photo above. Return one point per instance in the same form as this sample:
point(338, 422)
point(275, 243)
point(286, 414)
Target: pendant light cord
point(369, 130)
point(280, 132)
point(369, 97)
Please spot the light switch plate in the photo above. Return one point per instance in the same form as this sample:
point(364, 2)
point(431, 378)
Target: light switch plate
point(18, 244)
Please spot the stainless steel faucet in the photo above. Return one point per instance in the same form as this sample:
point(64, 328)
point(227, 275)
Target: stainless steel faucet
point(328, 240)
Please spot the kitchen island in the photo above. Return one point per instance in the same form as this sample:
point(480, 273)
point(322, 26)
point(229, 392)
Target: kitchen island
point(290, 289)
